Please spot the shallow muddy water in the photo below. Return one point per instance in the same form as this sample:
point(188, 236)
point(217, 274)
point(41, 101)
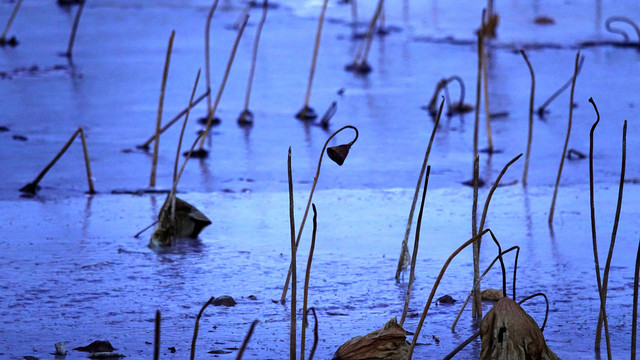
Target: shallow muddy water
point(74, 272)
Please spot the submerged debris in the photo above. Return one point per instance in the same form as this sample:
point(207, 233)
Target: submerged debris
point(96, 347)
point(508, 332)
point(445, 299)
point(106, 355)
point(224, 300)
point(60, 349)
point(386, 343)
point(186, 222)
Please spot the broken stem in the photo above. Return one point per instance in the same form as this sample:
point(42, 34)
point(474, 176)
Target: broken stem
point(369, 40)
point(154, 162)
point(32, 187)
point(164, 128)
point(405, 250)
point(566, 141)
point(415, 248)
point(13, 15)
point(530, 133)
point(476, 308)
point(74, 29)
point(197, 326)
point(224, 81)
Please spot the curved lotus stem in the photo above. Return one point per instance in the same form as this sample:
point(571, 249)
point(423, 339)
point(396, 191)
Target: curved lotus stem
point(546, 314)
point(607, 25)
point(197, 326)
point(439, 278)
point(313, 187)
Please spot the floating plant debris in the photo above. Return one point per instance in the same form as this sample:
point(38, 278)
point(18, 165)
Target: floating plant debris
point(389, 342)
point(508, 332)
point(97, 346)
point(224, 300)
point(185, 222)
point(445, 299)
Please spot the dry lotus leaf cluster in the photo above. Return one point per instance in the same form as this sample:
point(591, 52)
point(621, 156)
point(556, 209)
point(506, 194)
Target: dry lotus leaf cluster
point(387, 343)
point(188, 223)
point(491, 294)
point(508, 332)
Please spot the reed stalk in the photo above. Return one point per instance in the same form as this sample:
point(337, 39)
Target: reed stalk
point(593, 232)
point(197, 327)
point(355, 64)
point(404, 252)
point(156, 341)
point(416, 243)
point(363, 67)
point(74, 29)
point(530, 133)
point(207, 66)
point(3, 37)
point(476, 121)
point(174, 186)
point(634, 317)
point(154, 162)
point(306, 283)
point(292, 268)
point(246, 340)
point(485, 75)
point(439, 278)
point(145, 145)
point(566, 141)
point(607, 266)
point(476, 308)
point(306, 211)
point(33, 187)
point(307, 112)
point(246, 117)
point(201, 151)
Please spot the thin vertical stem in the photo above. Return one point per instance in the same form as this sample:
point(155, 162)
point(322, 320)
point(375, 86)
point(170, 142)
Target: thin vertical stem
point(86, 161)
point(315, 53)
point(530, 133)
point(476, 308)
point(306, 282)
point(292, 330)
point(306, 210)
point(197, 327)
point(593, 228)
point(566, 141)
point(476, 122)
point(370, 33)
point(154, 163)
point(354, 18)
point(224, 81)
point(315, 332)
point(634, 318)
point(405, 250)
point(74, 29)
point(246, 340)
point(607, 266)
point(254, 54)
point(13, 15)
point(206, 53)
point(184, 126)
point(416, 243)
point(486, 94)
point(156, 342)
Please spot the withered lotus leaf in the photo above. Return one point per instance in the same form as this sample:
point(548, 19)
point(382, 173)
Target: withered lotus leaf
point(387, 343)
point(508, 332)
point(491, 294)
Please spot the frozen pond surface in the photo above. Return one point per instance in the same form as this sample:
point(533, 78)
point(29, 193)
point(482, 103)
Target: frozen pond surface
point(73, 272)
